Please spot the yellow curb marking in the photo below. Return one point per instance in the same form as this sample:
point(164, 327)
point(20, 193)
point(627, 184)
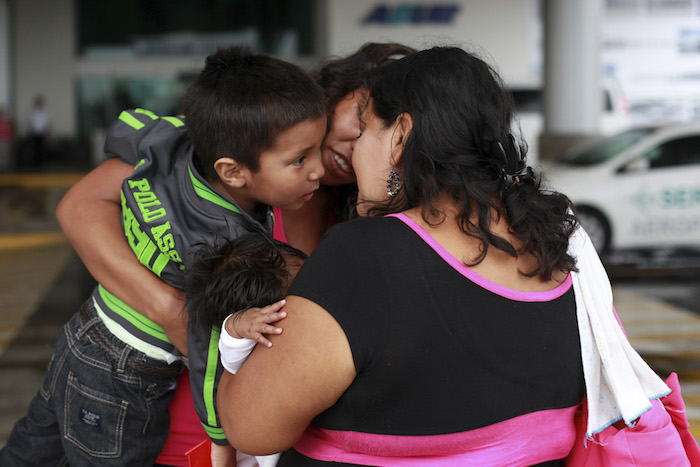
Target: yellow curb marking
point(30, 240)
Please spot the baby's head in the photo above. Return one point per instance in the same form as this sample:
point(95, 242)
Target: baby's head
point(231, 275)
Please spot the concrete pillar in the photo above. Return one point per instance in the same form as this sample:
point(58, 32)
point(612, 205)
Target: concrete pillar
point(572, 92)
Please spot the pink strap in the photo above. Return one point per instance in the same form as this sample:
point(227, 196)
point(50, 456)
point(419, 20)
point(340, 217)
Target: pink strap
point(481, 281)
point(278, 228)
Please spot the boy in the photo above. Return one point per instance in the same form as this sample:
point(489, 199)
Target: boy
point(250, 271)
point(254, 128)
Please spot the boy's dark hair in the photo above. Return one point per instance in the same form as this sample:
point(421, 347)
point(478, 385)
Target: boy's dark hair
point(461, 115)
point(226, 276)
point(241, 102)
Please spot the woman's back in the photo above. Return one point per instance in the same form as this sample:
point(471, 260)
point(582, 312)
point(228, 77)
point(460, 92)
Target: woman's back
point(394, 351)
point(445, 359)
point(496, 265)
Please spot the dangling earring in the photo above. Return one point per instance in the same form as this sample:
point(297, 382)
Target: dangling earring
point(393, 184)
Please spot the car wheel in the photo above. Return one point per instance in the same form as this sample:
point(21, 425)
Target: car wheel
point(596, 226)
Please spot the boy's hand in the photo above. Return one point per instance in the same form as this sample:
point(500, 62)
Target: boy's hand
point(253, 323)
point(223, 456)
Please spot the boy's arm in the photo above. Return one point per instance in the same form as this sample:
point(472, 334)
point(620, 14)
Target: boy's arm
point(90, 216)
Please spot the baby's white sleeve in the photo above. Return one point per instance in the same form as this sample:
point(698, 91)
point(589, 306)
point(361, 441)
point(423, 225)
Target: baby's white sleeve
point(233, 351)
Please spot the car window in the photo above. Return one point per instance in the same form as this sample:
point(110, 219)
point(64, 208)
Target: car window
point(679, 151)
point(527, 100)
point(606, 148)
point(607, 101)
point(530, 100)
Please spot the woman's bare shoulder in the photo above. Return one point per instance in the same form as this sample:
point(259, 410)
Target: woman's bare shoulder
point(268, 404)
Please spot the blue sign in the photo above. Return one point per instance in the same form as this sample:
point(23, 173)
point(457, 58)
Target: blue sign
point(410, 13)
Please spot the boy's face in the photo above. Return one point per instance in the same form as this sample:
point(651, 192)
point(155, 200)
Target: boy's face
point(290, 172)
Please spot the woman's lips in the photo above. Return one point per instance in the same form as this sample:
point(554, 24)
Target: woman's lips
point(342, 163)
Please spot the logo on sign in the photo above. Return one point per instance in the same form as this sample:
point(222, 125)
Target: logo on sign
point(409, 13)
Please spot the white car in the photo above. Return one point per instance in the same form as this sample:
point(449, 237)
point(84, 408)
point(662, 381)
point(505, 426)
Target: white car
point(638, 191)
point(614, 116)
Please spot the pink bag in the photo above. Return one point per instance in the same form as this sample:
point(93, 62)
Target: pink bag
point(661, 437)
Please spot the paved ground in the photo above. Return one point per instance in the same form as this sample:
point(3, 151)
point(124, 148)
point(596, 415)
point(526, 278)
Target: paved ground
point(48, 285)
point(42, 282)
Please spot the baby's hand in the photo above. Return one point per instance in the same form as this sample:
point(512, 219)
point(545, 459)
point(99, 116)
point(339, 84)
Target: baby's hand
point(253, 323)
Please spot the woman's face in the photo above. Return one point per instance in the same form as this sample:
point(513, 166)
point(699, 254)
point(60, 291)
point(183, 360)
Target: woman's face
point(372, 160)
point(337, 147)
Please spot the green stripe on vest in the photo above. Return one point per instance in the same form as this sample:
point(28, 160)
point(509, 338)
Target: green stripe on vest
point(210, 375)
point(133, 316)
point(130, 120)
point(204, 192)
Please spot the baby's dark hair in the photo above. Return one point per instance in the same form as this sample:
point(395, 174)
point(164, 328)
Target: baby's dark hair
point(232, 275)
point(241, 102)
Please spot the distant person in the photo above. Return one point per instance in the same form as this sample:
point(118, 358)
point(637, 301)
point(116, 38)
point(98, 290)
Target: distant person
point(5, 140)
point(39, 122)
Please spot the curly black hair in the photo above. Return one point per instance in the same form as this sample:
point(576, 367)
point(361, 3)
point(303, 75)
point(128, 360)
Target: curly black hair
point(461, 112)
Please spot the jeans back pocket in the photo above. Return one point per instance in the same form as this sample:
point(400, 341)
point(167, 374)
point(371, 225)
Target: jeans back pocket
point(94, 421)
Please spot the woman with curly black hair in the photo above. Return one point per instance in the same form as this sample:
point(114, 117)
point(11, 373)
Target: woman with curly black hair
point(441, 327)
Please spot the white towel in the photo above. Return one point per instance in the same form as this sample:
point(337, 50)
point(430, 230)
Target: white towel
point(619, 383)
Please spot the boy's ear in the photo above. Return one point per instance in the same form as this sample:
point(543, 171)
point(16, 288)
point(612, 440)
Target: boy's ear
point(404, 125)
point(231, 172)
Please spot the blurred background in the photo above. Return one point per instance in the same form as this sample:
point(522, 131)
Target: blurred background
point(89, 60)
point(608, 103)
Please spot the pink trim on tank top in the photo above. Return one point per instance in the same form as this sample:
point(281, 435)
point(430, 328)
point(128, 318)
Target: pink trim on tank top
point(487, 284)
point(278, 226)
point(524, 440)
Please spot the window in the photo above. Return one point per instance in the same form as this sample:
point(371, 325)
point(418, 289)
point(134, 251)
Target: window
point(182, 27)
point(606, 148)
point(676, 152)
point(530, 100)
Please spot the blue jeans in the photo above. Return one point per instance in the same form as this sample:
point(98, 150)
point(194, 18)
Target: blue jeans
point(92, 409)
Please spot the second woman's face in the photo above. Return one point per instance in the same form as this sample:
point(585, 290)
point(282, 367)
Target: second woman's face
point(337, 147)
point(372, 160)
